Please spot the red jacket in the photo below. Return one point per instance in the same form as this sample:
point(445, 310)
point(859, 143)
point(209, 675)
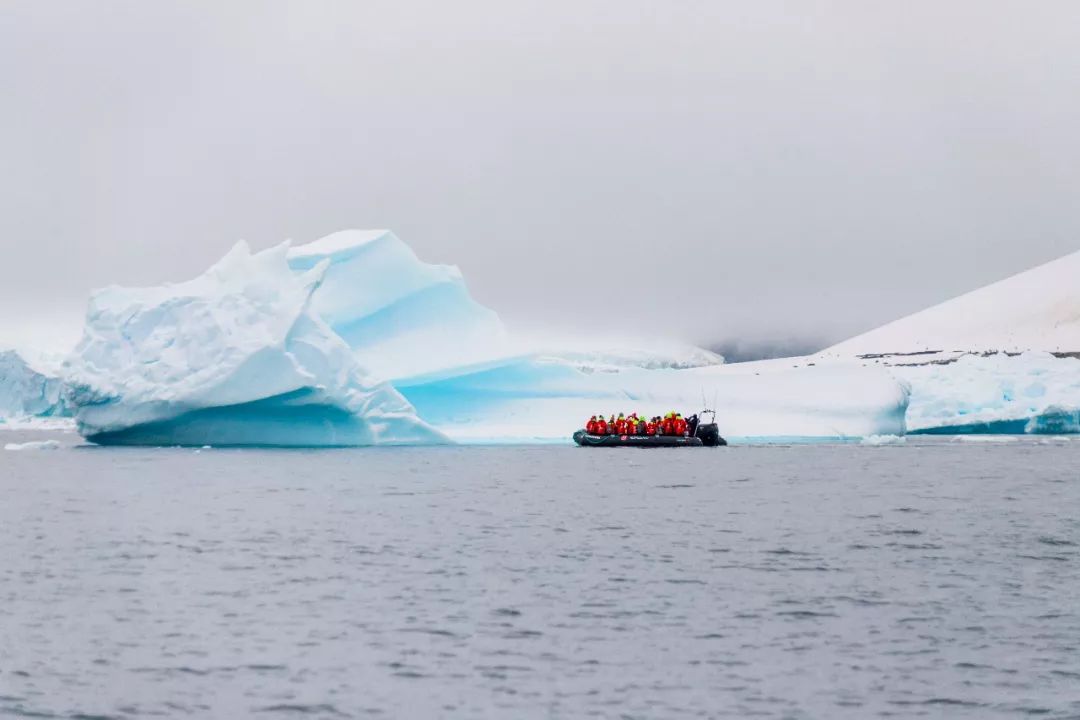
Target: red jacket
point(590, 427)
point(651, 428)
point(601, 427)
point(680, 426)
point(620, 426)
point(667, 427)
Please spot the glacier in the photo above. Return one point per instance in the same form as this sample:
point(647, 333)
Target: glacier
point(1000, 393)
point(234, 357)
point(1002, 359)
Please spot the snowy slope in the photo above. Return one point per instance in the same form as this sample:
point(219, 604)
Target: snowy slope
point(1035, 310)
point(998, 359)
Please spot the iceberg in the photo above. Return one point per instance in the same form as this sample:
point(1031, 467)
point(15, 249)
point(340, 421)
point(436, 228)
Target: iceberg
point(403, 317)
point(399, 315)
point(233, 357)
point(30, 386)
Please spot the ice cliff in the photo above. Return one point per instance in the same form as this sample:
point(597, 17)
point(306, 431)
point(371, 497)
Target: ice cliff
point(29, 386)
point(233, 357)
point(1031, 392)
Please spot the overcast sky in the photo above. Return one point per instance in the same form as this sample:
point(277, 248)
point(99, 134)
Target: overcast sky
point(788, 169)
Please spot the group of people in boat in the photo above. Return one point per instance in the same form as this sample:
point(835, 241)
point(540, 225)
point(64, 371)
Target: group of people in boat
point(632, 424)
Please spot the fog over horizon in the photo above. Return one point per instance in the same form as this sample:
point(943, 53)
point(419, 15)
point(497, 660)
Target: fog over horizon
point(729, 174)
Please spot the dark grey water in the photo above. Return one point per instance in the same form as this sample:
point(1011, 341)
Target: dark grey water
point(933, 579)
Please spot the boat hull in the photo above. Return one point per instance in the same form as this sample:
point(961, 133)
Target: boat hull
point(584, 439)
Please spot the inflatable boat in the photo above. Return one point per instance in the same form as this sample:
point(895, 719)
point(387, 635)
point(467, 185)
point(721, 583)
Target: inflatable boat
point(704, 435)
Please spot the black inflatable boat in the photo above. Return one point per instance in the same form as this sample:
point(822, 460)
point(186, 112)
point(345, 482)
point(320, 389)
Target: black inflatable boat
point(705, 435)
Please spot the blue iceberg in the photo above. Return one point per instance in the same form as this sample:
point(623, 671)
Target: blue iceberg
point(30, 387)
point(233, 357)
point(399, 315)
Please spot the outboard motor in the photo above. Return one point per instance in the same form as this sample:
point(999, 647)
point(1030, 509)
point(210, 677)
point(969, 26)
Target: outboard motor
point(708, 433)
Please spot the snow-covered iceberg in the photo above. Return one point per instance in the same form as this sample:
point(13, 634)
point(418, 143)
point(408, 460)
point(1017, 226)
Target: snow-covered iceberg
point(30, 386)
point(233, 357)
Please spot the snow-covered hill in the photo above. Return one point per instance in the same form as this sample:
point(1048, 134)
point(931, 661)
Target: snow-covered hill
point(1002, 358)
point(1037, 310)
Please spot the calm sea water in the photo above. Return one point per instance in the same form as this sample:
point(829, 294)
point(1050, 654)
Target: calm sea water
point(933, 579)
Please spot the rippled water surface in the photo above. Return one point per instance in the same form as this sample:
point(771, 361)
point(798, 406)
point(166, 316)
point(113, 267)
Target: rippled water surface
point(931, 579)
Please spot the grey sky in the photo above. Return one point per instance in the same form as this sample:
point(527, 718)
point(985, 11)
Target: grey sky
point(812, 169)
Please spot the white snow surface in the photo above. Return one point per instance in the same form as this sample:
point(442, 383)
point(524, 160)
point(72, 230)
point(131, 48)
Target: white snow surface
point(1037, 310)
point(233, 357)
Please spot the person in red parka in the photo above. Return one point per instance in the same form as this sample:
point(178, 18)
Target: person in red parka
point(667, 426)
point(679, 425)
point(590, 427)
point(650, 427)
point(601, 426)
